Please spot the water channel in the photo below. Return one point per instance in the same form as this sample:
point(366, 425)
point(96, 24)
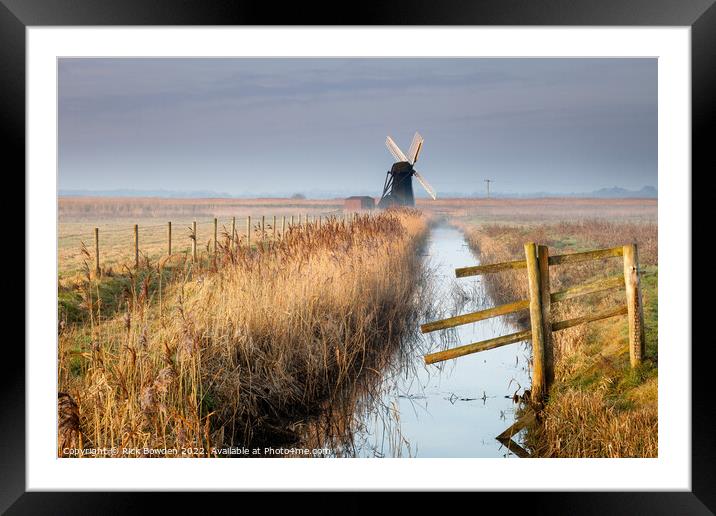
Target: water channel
point(456, 408)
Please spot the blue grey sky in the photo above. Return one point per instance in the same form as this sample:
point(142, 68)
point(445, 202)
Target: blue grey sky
point(279, 126)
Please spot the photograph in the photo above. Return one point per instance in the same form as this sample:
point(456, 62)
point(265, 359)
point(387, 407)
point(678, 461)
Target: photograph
point(357, 257)
point(417, 250)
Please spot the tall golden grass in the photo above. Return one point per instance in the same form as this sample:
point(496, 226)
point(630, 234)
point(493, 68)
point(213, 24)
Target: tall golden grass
point(245, 351)
point(597, 407)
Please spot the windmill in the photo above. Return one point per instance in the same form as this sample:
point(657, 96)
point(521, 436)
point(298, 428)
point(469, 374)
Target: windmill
point(398, 188)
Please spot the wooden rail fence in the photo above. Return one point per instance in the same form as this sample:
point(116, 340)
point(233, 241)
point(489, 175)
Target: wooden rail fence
point(261, 231)
point(537, 262)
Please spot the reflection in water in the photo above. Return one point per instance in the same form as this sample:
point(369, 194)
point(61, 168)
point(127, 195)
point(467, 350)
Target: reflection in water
point(403, 408)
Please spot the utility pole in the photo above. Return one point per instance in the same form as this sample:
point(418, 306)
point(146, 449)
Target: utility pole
point(488, 181)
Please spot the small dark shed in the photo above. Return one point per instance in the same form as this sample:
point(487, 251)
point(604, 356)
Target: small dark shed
point(359, 202)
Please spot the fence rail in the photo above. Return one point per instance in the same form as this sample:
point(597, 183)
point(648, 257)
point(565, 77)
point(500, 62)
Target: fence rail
point(488, 269)
point(560, 259)
point(483, 345)
point(459, 320)
point(599, 285)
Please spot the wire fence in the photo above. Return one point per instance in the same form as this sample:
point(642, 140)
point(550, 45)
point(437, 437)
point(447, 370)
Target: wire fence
point(116, 244)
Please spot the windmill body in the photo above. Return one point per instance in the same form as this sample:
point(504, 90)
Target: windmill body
point(398, 188)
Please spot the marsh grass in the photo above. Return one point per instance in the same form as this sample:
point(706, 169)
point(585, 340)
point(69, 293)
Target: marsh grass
point(246, 348)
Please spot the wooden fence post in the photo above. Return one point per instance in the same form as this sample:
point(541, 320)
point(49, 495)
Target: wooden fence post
point(539, 377)
point(233, 232)
point(136, 246)
point(97, 270)
point(248, 231)
point(543, 260)
point(169, 238)
point(283, 227)
point(216, 233)
point(273, 229)
point(263, 229)
point(635, 309)
point(291, 220)
point(193, 241)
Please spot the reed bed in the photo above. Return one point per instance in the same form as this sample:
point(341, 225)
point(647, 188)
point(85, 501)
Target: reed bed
point(598, 406)
point(244, 351)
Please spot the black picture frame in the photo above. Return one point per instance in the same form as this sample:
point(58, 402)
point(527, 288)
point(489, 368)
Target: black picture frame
point(700, 15)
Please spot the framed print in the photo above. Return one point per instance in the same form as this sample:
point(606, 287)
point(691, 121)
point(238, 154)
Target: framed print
point(418, 252)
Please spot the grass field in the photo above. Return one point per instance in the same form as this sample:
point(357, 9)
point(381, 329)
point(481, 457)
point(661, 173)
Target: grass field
point(532, 211)
point(94, 209)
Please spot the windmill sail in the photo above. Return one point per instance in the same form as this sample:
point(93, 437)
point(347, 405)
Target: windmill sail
point(415, 147)
point(426, 185)
point(395, 150)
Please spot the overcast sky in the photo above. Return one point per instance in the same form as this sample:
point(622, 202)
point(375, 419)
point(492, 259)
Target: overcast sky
point(284, 125)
